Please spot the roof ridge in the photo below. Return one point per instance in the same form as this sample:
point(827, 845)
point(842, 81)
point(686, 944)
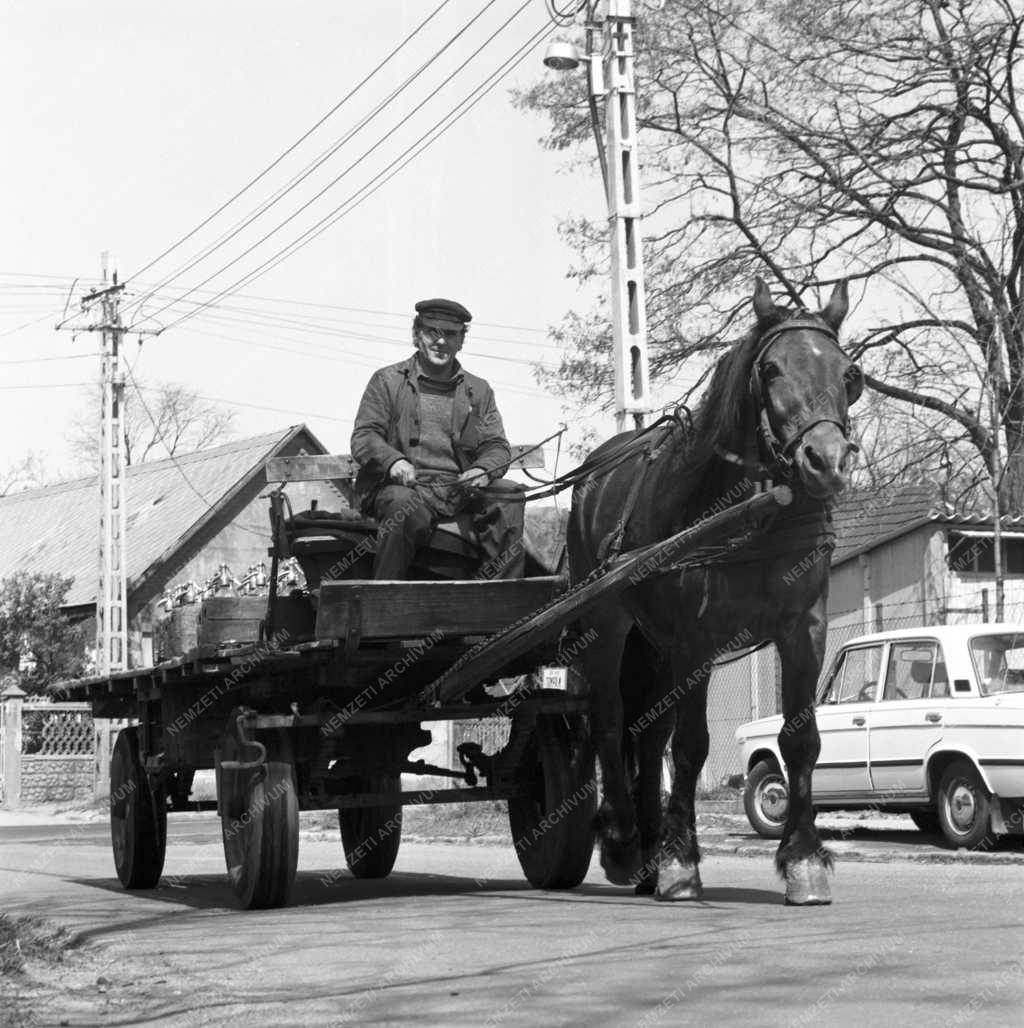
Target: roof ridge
point(195, 456)
point(262, 441)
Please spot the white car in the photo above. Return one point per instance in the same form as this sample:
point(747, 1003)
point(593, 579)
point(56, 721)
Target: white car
point(929, 721)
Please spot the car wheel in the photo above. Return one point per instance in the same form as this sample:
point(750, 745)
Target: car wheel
point(766, 799)
point(964, 806)
point(925, 820)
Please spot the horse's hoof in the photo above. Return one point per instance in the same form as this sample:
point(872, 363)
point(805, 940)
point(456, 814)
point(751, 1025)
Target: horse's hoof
point(644, 888)
point(807, 884)
point(621, 862)
point(677, 882)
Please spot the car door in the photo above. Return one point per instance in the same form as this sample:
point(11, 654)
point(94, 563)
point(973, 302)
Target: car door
point(842, 715)
point(907, 721)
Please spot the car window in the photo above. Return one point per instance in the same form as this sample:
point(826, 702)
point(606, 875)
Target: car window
point(999, 662)
point(855, 677)
point(915, 671)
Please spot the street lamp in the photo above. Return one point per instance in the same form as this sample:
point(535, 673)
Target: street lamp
point(561, 56)
point(611, 75)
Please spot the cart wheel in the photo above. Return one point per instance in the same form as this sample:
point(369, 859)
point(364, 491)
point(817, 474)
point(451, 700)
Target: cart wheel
point(371, 836)
point(552, 821)
point(138, 816)
point(259, 817)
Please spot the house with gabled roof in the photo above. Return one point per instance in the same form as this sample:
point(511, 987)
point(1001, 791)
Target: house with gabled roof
point(187, 516)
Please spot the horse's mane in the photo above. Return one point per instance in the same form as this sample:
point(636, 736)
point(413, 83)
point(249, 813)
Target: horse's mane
point(719, 415)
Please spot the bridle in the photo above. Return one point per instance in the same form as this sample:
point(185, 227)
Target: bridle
point(779, 444)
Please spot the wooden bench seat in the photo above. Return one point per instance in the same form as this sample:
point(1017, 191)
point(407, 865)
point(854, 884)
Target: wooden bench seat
point(332, 545)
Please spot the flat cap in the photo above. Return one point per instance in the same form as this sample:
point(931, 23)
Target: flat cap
point(443, 314)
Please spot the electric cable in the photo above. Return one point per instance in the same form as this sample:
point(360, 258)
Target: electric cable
point(354, 164)
point(360, 310)
point(174, 460)
point(345, 208)
point(43, 360)
point(352, 92)
point(284, 190)
point(322, 325)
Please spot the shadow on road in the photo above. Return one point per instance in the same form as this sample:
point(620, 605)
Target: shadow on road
point(317, 889)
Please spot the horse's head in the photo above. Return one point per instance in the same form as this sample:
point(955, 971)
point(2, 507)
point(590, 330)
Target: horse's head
point(803, 385)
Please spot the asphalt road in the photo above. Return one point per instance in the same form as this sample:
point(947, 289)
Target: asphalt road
point(455, 936)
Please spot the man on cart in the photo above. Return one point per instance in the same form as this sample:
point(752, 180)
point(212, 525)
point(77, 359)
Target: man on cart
point(430, 445)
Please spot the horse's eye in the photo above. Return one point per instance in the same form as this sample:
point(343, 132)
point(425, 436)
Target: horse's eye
point(771, 371)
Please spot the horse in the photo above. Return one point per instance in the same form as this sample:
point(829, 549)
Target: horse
point(776, 408)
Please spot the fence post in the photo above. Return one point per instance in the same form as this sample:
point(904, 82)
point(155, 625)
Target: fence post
point(13, 698)
point(101, 750)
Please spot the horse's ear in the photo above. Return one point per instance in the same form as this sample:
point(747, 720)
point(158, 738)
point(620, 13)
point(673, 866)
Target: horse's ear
point(838, 304)
point(763, 306)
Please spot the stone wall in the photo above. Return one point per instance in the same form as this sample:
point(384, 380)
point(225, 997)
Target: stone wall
point(57, 779)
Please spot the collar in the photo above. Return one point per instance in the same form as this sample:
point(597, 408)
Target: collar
point(413, 371)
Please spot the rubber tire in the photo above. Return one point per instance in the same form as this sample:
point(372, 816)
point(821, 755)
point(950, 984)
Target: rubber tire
point(926, 820)
point(371, 836)
point(557, 772)
point(961, 775)
point(763, 774)
point(138, 816)
point(260, 821)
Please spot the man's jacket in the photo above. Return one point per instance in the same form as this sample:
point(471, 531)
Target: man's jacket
point(388, 425)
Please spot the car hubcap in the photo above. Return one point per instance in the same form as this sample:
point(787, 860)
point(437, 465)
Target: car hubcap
point(774, 800)
point(962, 808)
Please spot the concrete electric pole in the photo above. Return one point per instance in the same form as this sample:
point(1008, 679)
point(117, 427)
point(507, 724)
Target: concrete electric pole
point(611, 77)
point(112, 592)
point(629, 312)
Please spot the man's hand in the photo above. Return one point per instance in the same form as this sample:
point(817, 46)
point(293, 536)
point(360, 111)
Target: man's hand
point(475, 477)
point(402, 472)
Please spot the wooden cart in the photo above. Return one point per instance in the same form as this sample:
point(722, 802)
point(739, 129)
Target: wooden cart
point(321, 708)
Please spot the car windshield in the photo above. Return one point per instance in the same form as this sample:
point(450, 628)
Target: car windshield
point(999, 663)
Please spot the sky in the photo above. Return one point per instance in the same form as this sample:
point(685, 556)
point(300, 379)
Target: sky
point(128, 124)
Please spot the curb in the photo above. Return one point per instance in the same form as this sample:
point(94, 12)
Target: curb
point(956, 857)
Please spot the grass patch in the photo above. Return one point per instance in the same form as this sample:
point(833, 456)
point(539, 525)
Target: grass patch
point(29, 938)
point(432, 821)
point(457, 820)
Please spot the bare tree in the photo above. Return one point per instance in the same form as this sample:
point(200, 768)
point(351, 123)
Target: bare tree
point(26, 473)
point(160, 421)
point(862, 139)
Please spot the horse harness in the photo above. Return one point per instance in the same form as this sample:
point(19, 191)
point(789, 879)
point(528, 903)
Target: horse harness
point(767, 439)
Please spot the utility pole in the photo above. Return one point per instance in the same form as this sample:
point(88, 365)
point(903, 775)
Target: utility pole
point(611, 77)
point(629, 312)
point(112, 592)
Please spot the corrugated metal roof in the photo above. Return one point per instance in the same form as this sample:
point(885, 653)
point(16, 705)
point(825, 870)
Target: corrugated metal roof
point(55, 529)
point(865, 520)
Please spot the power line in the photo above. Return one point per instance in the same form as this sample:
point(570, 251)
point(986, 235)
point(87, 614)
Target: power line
point(42, 360)
point(359, 160)
point(347, 357)
point(331, 325)
point(347, 206)
point(333, 329)
point(405, 315)
point(298, 142)
point(174, 460)
point(283, 191)
point(50, 385)
point(253, 406)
